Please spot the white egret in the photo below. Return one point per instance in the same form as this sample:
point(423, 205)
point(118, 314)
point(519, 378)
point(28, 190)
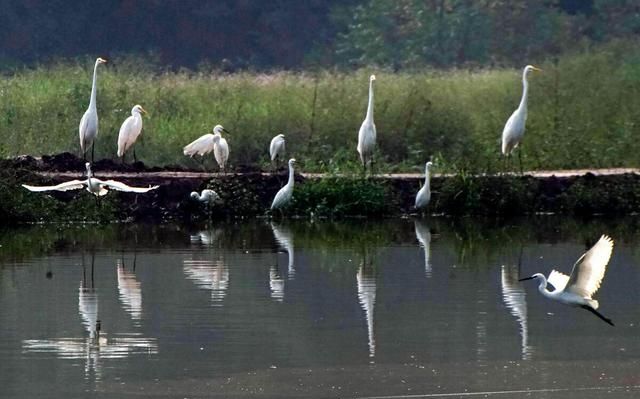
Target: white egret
point(210, 142)
point(95, 186)
point(130, 131)
point(89, 123)
point(367, 132)
point(286, 192)
point(586, 276)
point(514, 128)
point(206, 197)
point(276, 148)
point(424, 195)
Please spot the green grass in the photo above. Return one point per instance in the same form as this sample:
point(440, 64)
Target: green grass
point(583, 112)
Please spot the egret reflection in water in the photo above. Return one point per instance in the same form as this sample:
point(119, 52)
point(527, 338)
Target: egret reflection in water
point(366, 280)
point(208, 270)
point(423, 235)
point(515, 299)
point(129, 289)
point(276, 283)
point(284, 238)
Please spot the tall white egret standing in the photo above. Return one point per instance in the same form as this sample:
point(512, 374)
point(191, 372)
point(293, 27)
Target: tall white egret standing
point(283, 196)
point(424, 195)
point(89, 123)
point(208, 143)
point(95, 186)
point(586, 276)
point(514, 128)
point(130, 131)
point(367, 132)
point(276, 148)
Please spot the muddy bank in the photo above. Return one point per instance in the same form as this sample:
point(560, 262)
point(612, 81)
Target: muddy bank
point(248, 192)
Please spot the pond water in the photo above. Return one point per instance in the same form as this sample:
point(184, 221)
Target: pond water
point(395, 308)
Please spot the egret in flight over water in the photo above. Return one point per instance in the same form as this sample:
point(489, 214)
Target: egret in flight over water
point(367, 132)
point(424, 195)
point(89, 123)
point(130, 131)
point(95, 186)
point(286, 192)
point(276, 148)
point(514, 128)
point(586, 276)
point(210, 142)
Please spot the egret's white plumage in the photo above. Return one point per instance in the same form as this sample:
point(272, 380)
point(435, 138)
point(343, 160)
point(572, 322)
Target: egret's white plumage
point(95, 186)
point(207, 196)
point(584, 281)
point(210, 142)
point(286, 192)
point(276, 148)
point(130, 130)
point(88, 128)
point(424, 195)
point(367, 132)
point(514, 128)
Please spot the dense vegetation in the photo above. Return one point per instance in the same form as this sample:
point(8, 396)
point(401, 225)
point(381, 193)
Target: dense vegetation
point(583, 112)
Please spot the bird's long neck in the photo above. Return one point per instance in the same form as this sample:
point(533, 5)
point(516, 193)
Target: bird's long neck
point(291, 176)
point(92, 102)
point(542, 287)
point(525, 92)
point(369, 116)
point(427, 177)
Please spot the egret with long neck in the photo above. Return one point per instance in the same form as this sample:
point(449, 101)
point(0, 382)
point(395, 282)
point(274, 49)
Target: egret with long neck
point(424, 195)
point(88, 128)
point(367, 132)
point(284, 195)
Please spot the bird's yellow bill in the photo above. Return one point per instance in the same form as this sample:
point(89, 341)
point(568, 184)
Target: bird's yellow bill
point(536, 69)
point(144, 111)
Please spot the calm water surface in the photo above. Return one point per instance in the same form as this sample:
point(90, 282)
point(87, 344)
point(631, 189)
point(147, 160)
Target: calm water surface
point(401, 308)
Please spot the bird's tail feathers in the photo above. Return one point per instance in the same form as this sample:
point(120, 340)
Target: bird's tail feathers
point(593, 303)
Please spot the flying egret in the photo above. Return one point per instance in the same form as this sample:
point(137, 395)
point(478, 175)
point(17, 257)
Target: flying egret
point(424, 195)
point(367, 132)
point(95, 186)
point(130, 131)
point(286, 192)
point(89, 123)
point(578, 289)
point(514, 128)
point(276, 148)
point(210, 142)
point(206, 197)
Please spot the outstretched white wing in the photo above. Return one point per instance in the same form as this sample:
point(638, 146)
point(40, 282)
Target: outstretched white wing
point(558, 280)
point(589, 269)
point(201, 146)
point(116, 185)
point(66, 186)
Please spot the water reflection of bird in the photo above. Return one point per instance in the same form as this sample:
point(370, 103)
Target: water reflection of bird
point(209, 275)
point(366, 281)
point(284, 237)
point(129, 290)
point(207, 237)
point(276, 284)
point(586, 276)
point(423, 234)
point(515, 299)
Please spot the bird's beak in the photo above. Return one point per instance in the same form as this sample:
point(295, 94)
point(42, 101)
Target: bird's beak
point(144, 111)
point(526, 278)
point(536, 69)
point(225, 130)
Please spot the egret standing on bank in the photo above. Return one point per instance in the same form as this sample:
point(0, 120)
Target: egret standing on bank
point(276, 148)
point(89, 123)
point(210, 142)
point(130, 131)
point(207, 196)
point(286, 192)
point(514, 128)
point(424, 195)
point(586, 276)
point(367, 133)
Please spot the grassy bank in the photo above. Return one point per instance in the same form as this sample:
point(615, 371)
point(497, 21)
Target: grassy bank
point(583, 112)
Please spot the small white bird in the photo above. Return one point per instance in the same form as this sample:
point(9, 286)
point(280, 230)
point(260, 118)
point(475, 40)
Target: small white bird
point(210, 142)
point(130, 131)
point(514, 128)
point(276, 149)
point(95, 186)
point(367, 132)
point(286, 192)
point(586, 276)
point(206, 197)
point(424, 195)
point(88, 128)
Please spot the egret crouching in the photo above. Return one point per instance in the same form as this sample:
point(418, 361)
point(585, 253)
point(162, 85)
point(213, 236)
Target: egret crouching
point(88, 128)
point(514, 128)
point(208, 143)
point(284, 195)
point(424, 195)
point(130, 131)
point(207, 196)
point(586, 276)
point(367, 132)
point(276, 148)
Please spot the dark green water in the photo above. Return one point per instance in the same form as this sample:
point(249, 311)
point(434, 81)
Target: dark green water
point(300, 309)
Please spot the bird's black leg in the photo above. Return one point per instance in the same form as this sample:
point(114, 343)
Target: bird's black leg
point(520, 160)
point(135, 158)
point(93, 149)
point(595, 312)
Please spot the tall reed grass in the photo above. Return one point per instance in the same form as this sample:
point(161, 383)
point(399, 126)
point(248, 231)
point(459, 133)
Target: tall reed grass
point(584, 111)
